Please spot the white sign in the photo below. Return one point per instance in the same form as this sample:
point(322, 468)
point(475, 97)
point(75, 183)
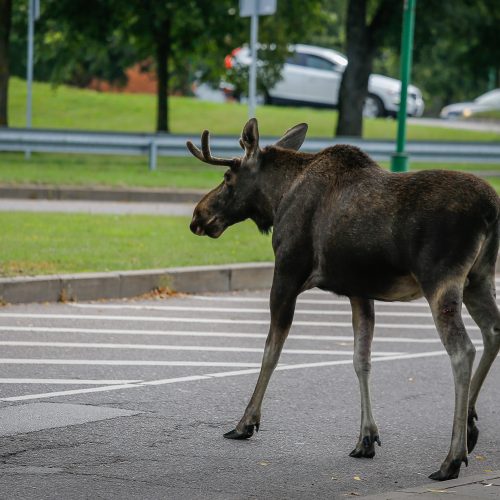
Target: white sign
point(263, 7)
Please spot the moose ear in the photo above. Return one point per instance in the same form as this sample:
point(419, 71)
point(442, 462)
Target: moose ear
point(250, 137)
point(293, 138)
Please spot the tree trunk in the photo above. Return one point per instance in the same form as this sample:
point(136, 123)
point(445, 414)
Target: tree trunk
point(5, 22)
point(354, 85)
point(162, 56)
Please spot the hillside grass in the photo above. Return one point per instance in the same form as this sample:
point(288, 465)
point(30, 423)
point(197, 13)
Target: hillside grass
point(70, 243)
point(66, 107)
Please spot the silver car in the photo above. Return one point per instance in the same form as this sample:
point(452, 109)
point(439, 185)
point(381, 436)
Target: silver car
point(312, 76)
point(486, 102)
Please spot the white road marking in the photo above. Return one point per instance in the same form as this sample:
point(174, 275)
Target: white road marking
point(236, 335)
point(242, 310)
point(161, 347)
point(123, 362)
point(182, 333)
point(208, 320)
point(300, 300)
point(209, 376)
point(64, 381)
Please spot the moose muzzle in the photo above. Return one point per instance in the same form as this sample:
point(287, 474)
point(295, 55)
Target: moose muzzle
point(212, 227)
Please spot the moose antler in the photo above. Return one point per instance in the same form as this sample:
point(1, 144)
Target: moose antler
point(205, 155)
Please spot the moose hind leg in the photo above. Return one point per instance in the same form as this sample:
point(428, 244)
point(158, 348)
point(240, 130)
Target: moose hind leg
point(283, 298)
point(363, 319)
point(479, 297)
point(446, 305)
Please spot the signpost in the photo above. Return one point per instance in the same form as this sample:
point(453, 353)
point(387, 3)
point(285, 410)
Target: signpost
point(399, 161)
point(33, 15)
point(254, 9)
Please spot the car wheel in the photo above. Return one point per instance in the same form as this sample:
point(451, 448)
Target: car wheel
point(373, 107)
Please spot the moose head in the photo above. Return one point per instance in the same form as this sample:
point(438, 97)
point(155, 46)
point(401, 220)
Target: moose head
point(248, 183)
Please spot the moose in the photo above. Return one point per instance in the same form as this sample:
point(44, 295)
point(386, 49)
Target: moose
point(342, 223)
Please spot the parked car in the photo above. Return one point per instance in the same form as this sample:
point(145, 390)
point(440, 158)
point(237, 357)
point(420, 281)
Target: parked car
point(312, 76)
point(486, 102)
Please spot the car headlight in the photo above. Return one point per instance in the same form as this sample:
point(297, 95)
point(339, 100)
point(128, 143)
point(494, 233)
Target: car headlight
point(467, 112)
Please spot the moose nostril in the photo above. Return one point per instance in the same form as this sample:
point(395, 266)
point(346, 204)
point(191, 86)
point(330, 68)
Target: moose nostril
point(193, 226)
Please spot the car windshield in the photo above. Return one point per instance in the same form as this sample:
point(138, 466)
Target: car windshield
point(491, 98)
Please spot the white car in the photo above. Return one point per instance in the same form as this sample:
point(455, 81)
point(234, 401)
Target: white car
point(486, 102)
point(312, 76)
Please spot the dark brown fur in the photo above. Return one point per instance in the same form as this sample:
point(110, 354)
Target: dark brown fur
point(345, 225)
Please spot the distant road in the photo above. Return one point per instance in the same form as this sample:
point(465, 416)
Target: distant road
point(460, 125)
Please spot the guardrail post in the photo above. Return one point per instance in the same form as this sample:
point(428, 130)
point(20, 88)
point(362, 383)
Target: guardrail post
point(153, 155)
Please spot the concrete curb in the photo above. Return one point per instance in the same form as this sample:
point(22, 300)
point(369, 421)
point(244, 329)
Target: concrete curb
point(126, 284)
point(472, 487)
point(99, 193)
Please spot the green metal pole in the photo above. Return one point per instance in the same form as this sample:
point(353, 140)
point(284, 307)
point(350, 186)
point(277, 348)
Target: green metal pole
point(399, 161)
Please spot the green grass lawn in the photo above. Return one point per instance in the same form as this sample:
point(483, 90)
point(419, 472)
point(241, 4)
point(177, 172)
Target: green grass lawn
point(71, 108)
point(120, 171)
point(67, 243)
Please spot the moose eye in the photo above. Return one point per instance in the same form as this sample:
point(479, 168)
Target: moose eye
point(227, 176)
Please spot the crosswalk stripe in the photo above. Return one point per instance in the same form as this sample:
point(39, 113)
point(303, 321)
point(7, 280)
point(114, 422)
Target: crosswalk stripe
point(182, 333)
point(64, 381)
point(123, 362)
point(196, 348)
point(211, 320)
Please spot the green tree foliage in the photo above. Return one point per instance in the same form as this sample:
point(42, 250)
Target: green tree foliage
point(456, 50)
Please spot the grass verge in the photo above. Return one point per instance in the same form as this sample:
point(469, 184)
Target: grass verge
point(132, 171)
point(71, 243)
point(71, 108)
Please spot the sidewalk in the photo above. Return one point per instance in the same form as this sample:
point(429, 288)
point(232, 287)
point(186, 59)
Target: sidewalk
point(97, 207)
point(481, 486)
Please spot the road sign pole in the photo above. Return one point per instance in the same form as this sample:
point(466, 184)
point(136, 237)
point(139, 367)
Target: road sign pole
point(29, 65)
point(399, 161)
point(252, 84)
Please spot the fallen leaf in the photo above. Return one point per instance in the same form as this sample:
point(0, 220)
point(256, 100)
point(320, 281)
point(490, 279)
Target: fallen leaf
point(357, 478)
point(488, 470)
point(263, 463)
point(480, 457)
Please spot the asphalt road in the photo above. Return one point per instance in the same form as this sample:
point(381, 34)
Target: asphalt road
point(129, 399)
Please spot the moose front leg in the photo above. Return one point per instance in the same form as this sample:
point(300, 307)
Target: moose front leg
point(283, 298)
point(446, 305)
point(363, 320)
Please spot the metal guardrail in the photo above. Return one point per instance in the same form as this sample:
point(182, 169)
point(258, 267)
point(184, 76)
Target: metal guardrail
point(154, 145)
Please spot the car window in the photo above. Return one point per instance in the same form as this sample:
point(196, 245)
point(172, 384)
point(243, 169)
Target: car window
point(318, 63)
point(489, 99)
point(297, 59)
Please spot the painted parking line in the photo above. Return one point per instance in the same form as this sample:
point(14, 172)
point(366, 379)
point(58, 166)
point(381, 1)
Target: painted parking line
point(125, 362)
point(210, 376)
point(300, 300)
point(242, 310)
point(64, 381)
point(202, 334)
point(162, 347)
point(246, 310)
point(167, 319)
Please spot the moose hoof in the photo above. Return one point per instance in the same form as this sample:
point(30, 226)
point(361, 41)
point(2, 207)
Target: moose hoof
point(472, 431)
point(366, 447)
point(246, 434)
point(449, 471)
